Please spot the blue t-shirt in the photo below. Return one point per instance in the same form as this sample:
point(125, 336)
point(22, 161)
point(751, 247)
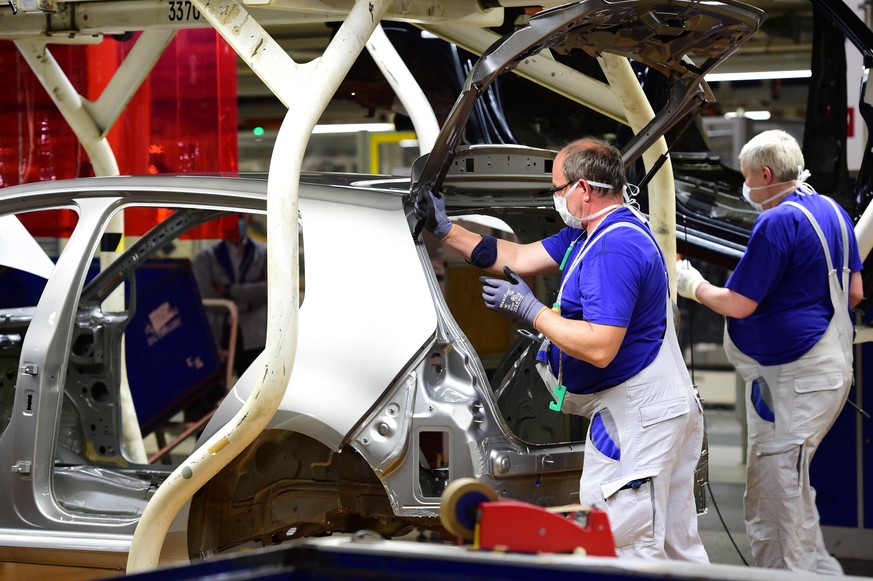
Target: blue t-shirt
point(784, 270)
point(621, 281)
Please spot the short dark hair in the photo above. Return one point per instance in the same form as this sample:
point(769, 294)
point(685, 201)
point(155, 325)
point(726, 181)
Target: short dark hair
point(594, 159)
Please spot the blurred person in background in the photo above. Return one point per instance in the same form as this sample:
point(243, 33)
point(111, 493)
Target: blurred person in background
point(236, 269)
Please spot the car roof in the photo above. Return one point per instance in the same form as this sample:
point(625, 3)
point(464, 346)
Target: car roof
point(166, 187)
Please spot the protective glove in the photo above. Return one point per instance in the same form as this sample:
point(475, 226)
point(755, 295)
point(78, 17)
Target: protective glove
point(511, 297)
point(432, 209)
point(688, 279)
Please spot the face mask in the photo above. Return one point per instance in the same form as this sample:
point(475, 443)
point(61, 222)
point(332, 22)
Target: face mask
point(561, 207)
point(759, 206)
point(571, 220)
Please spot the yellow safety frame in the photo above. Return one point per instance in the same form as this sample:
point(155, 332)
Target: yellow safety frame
point(377, 139)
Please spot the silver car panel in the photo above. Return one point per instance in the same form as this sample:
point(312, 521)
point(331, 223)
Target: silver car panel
point(366, 300)
point(39, 393)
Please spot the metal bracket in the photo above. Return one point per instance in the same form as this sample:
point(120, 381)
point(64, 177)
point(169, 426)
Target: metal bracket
point(21, 467)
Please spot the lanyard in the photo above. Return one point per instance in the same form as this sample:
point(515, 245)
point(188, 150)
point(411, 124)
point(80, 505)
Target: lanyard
point(560, 389)
point(578, 258)
point(569, 250)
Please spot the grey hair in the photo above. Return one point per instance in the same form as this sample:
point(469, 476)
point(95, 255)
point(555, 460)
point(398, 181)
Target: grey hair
point(777, 150)
point(594, 159)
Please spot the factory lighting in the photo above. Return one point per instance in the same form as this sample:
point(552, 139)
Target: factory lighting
point(757, 115)
point(758, 75)
point(352, 127)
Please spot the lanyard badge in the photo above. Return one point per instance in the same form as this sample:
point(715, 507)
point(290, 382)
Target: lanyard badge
point(560, 391)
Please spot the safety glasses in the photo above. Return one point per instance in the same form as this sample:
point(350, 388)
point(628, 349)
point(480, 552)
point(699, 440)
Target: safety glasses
point(556, 189)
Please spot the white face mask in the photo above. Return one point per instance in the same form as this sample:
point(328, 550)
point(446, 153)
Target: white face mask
point(571, 220)
point(561, 207)
point(799, 183)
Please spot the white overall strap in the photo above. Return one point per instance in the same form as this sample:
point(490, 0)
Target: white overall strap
point(672, 341)
point(844, 275)
point(578, 258)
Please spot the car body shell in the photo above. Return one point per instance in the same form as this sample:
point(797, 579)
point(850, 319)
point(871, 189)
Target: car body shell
point(388, 400)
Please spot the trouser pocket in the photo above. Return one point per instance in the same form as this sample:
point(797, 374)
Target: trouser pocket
point(761, 399)
point(816, 402)
point(774, 470)
point(662, 431)
point(774, 508)
point(632, 515)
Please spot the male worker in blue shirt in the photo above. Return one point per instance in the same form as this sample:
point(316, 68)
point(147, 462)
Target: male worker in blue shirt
point(789, 335)
point(611, 343)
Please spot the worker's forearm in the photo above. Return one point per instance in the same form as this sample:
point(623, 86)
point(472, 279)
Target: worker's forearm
point(594, 344)
point(713, 297)
point(463, 241)
point(525, 259)
point(725, 301)
point(856, 289)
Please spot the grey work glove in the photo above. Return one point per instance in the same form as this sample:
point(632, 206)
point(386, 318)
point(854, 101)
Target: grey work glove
point(431, 209)
point(688, 279)
point(511, 297)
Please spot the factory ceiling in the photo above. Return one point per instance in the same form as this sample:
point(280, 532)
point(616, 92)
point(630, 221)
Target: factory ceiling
point(783, 43)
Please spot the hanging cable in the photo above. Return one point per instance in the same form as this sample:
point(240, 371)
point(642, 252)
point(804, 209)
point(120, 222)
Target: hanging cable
point(724, 524)
point(691, 357)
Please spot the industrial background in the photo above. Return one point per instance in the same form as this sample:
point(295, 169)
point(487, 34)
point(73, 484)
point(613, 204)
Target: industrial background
point(203, 110)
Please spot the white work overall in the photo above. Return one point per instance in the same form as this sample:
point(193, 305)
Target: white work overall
point(656, 422)
point(798, 403)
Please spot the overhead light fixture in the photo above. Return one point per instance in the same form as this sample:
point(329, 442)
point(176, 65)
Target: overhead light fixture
point(758, 75)
point(353, 127)
point(756, 115)
point(326, 129)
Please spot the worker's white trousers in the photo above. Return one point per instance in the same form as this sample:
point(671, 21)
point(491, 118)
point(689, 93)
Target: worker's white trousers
point(797, 403)
point(643, 444)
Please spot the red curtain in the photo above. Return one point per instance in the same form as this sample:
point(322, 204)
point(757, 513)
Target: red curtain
point(183, 119)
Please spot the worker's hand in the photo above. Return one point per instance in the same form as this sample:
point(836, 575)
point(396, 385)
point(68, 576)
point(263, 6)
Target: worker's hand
point(432, 209)
point(688, 279)
point(511, 297)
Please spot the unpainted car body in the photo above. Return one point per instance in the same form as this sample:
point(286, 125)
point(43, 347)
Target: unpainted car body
point(388, 400)
point(385, 382)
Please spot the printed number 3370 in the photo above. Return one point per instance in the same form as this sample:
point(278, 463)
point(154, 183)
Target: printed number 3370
point(183, 10)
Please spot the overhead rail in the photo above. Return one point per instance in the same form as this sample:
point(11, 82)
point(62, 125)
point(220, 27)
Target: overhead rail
point(88, 20)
